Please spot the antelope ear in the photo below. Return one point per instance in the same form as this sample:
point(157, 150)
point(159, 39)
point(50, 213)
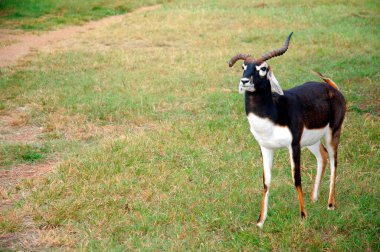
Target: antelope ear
point(275, 86)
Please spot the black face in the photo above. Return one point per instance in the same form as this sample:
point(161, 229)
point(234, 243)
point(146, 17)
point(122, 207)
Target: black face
point(255, 76)
point(248, 70)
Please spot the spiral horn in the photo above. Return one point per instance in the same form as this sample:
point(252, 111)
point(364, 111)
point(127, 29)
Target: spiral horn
point(240, 56)
point(274, 53)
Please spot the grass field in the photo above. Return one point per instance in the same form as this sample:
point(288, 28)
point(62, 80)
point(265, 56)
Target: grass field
point(155, 149)
point(51, 14)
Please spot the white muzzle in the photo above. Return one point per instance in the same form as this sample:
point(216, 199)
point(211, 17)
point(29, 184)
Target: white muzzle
point(246, 85)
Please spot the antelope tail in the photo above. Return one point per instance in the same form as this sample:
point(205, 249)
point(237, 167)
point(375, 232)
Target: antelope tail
point(325, 79)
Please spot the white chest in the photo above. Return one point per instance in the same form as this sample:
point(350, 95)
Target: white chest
point(268, 134)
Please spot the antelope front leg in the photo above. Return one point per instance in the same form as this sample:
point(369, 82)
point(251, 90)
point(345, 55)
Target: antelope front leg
point(267, 155)
point(295, 161)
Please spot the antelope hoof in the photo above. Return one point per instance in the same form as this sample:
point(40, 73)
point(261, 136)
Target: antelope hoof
point(303, 215)
point(331, 207)
point(314, 199)
point(260, 224)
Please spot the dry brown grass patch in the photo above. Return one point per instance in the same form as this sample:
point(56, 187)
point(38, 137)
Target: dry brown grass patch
point(15, 127)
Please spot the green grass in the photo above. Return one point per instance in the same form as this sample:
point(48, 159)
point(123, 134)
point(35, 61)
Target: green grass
point(156, 147)
point(21, 153)
point(50, 14)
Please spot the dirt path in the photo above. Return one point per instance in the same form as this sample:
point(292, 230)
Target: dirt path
point(17, 45)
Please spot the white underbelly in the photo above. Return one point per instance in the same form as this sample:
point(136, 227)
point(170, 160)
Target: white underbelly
point(273, 136)
point(268, 134)
point(312, 136)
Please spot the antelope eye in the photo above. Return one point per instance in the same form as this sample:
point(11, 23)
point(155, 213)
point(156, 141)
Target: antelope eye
point(264, 69)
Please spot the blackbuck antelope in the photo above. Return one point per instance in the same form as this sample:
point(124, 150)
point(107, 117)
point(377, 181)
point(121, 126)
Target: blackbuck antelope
point(300, 116)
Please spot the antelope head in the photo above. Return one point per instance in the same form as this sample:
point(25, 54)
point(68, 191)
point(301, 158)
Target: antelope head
point(257, 71)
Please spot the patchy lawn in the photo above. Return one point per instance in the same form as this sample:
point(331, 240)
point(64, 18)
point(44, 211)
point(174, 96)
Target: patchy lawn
point(155, 149)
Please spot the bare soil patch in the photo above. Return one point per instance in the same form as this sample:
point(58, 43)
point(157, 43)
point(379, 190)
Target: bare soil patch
point(24, 171)
point(26, 240)
point(14, 128)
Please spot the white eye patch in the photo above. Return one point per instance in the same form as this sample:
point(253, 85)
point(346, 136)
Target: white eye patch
point(244, 67)
point(262, 72)
point(263, 68)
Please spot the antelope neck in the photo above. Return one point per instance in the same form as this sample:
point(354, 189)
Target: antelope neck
point(261, 104)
